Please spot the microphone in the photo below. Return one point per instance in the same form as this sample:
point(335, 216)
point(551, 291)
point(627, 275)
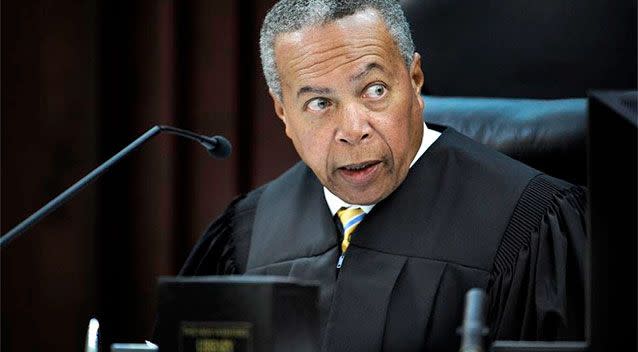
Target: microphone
point(473, 328)
point(217, 146)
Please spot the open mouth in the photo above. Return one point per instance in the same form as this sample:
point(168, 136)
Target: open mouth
point(360, 166)
point(360, 172)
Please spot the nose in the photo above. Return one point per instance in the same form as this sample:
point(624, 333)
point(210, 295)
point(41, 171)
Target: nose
point(353, 126)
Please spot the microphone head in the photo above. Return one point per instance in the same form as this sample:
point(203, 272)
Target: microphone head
point(219, 147)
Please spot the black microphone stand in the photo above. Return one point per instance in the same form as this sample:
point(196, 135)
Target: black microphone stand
point(473, 329)
point(217, 146)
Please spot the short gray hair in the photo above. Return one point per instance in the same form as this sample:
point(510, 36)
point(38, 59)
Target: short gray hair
point(292, 15)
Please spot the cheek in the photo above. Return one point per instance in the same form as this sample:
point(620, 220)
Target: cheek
point(398, 126)
point(400, 131)
point(313, 145)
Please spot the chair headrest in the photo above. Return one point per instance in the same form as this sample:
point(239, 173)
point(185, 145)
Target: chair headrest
point(549, 135)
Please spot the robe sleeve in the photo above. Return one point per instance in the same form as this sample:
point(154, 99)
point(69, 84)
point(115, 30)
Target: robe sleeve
point(223, 248)
point(537, 286)
point(213, 253)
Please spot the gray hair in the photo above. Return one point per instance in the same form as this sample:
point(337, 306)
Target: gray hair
point(292, 15)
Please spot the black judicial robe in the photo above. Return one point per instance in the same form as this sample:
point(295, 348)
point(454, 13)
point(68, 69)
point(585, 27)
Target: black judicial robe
point(465, 216)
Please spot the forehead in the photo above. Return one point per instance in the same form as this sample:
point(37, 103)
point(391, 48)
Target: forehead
point(349, 43)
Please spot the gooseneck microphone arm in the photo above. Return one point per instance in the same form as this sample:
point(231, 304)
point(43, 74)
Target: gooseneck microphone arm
point(217, 146)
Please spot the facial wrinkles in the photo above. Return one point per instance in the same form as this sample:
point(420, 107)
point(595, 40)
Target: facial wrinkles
point(369, 152)
point(374, 148)
point(335, 58)
point(377, 147)
point(328, 50)
point(316, 63)
point(328, 67)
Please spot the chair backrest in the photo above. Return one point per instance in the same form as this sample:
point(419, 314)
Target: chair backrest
point(549, 135)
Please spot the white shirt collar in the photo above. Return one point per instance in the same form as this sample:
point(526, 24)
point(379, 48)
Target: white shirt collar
point(335, 203)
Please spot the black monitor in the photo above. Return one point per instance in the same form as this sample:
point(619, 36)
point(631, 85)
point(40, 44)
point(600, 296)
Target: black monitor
point(612, 158)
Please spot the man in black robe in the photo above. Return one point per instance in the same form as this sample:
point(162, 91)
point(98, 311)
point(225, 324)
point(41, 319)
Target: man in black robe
point(438, 213)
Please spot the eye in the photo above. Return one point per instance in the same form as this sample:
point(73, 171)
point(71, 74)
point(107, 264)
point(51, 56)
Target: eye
point(318, 104)
point(375, 91)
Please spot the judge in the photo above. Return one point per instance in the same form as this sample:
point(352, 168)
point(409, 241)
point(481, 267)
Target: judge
point(395, 219)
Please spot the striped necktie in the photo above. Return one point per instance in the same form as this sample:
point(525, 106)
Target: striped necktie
point(350, 219)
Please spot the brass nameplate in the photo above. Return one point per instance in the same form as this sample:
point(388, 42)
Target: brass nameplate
point(223, 336)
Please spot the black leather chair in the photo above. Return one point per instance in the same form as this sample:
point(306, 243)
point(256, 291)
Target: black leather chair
point(549, 135)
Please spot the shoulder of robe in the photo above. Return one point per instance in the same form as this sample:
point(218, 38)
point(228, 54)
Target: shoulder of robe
point(454, 206)
point(544, 195)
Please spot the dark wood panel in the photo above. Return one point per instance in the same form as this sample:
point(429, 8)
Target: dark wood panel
point(48, 142)
point(273, 151)
point(208, 44)
point(86, 78)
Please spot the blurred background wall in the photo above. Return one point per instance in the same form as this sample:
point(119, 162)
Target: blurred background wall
point(82, 79)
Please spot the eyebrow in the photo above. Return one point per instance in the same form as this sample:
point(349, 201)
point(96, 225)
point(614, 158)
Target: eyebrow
point(315, 90)
point(371, 66)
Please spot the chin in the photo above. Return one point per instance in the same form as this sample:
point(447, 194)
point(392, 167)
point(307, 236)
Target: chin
point(363, 199)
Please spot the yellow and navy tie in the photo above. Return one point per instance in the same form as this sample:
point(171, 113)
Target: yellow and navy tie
point(350, 218)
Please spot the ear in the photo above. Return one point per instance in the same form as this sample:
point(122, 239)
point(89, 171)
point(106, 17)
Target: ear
point(417, 78)
point(279, 110)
